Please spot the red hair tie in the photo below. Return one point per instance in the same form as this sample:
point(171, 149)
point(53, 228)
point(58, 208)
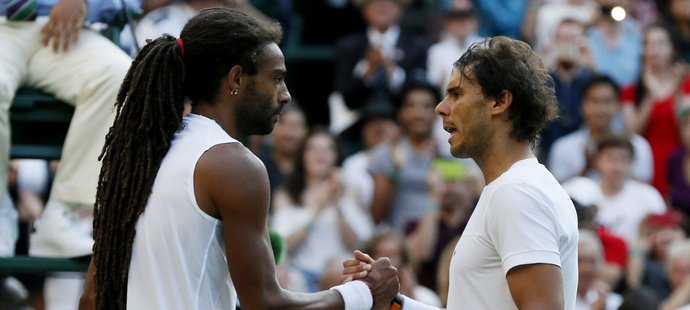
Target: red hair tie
point(181, 44)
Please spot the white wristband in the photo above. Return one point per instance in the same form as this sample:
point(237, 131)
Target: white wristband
point(411, 304)
point(356, 295)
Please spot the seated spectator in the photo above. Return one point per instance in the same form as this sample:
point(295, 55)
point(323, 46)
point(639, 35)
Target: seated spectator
point(678, 267)
point(375, 126)
point(649, 253)
point(460, 31)
point(551, 14)
point(451, 186)
point(678, 167)
point(391, 244)
point(586, 196)
point(378, 62)
point(649, 106)
point(569, 62)
point(400, 168)
point(45, 46)
point(676, 19)
point(592, 292)
point(310, 212)
point(500, 17)
point(287, 137)
point(616, 45)
point(640, 299)
point(626, 201)
point(573, 155)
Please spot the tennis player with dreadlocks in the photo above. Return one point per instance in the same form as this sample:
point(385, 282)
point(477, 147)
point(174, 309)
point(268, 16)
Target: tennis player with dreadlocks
point(181, 209)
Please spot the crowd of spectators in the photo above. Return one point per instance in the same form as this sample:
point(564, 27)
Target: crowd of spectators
point(383, 178)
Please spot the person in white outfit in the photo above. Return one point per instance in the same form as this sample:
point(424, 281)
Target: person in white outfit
point(519, 249)
point(44, 45)
point(182, 206)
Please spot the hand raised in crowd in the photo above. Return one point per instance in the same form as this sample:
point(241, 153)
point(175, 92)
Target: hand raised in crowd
point(380, 274)
point(602, 290)
point(64, 25)
point(375, 57)
point(659, 88)
point(328, 192)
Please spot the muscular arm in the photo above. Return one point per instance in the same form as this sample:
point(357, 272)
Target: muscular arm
point(230, 180)
point(536, 286)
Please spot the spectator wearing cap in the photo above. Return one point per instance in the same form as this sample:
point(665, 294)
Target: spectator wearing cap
point(375, 126)
point(380, 60)
point(649, 253)
point(678, 172)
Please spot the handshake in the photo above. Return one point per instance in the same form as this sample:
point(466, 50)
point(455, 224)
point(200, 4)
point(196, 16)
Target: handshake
point(379, 275)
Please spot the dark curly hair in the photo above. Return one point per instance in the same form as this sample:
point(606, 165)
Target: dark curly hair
point(148, 113)
point(501, 63)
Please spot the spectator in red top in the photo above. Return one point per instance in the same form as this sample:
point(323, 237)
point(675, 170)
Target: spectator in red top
point(649, 107)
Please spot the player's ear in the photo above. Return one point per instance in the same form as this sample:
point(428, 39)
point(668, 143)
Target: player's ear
point(234, 77)
point(501, 103)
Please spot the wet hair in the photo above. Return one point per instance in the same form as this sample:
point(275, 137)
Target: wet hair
point(149, 109)
point(296, 182)
point(616, 141)
point(600, 79)
point(502, 64)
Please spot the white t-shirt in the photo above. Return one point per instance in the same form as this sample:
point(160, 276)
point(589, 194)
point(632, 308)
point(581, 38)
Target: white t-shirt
point(522, 217)
point(567, 156)
point(178, 256)
point(624, 212)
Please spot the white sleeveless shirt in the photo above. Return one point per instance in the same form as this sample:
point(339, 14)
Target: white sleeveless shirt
point(178, 256)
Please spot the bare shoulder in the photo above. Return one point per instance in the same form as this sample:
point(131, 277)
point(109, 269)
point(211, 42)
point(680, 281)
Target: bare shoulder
point(229, 176)
point(231, 160)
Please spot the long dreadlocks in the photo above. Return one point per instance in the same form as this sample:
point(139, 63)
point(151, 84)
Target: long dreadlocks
point(149, 111)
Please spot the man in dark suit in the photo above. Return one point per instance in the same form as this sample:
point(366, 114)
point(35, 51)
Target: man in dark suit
point(379, 61)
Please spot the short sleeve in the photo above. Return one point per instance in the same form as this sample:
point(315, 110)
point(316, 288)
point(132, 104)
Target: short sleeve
point(522, 228)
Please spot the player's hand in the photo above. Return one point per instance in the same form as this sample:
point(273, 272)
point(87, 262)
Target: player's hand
point(383, 278)
point(64, 24)
point(357, 268)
